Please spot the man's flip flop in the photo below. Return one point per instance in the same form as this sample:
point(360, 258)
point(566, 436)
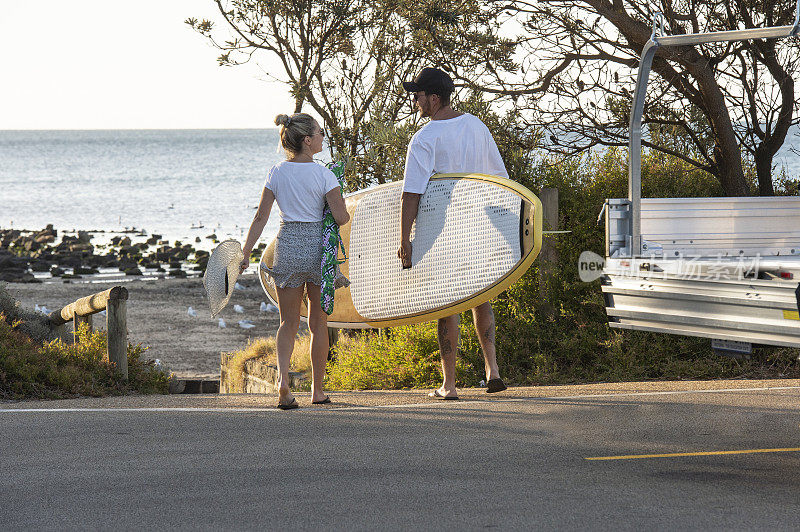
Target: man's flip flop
point(323, 402)
point(495, 385)
point(289, 406)
point(436, 395)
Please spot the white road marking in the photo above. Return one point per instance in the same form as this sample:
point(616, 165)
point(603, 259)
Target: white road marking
point(430, 404)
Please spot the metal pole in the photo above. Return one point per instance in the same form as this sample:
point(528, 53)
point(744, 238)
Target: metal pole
point(635, 148)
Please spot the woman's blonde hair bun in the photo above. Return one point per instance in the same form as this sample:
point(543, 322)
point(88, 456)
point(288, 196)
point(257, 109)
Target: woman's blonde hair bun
point(295, 129)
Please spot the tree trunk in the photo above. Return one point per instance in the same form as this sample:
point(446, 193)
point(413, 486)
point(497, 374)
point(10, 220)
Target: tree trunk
point(728, 166)
point(764, 171)
point(727, 154)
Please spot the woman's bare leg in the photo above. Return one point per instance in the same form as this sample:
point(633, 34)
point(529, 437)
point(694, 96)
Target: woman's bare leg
point(289, 300)
point(318, 325)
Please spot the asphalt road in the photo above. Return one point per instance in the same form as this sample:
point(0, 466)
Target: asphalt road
point(523, 460)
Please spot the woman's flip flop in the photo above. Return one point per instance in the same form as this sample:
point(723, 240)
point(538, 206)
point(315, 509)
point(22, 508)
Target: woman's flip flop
point(289, 406)
point(437, 395)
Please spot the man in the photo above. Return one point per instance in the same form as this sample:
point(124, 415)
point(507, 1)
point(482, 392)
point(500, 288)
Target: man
point(451, 142)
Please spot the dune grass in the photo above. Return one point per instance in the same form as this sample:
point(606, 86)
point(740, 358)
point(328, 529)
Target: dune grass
point(61, 370)
point(36, 364)
point(264, 347)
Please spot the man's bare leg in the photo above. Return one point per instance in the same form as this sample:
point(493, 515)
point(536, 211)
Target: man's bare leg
point(448, 347)
point(483, 317)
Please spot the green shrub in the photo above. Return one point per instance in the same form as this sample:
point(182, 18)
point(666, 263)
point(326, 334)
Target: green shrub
point(401, 357)
point(58, 370)
point(551, 327)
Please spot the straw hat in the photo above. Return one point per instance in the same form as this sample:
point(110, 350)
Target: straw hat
point(221, 274)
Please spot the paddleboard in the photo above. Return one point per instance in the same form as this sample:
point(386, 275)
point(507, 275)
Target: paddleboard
point(474, 236)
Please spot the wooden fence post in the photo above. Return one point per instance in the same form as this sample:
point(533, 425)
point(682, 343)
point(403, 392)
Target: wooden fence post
point(548, 256)
point(77, 321)
point(117, 330)
point(549, 199)
point(114, 302)
point(333, 337)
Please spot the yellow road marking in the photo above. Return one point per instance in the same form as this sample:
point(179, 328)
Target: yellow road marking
point(699, 453)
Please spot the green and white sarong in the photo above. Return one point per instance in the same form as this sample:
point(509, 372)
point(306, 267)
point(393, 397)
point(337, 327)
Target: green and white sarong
point(332, 278)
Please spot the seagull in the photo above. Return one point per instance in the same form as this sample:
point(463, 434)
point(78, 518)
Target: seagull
point(192, 312)
point(222, 323)
point(272, 308)
point(37, 308)
point(237, 286)
point(238, 308)
point(263, 307)
point(45, 310)
point(246, 324)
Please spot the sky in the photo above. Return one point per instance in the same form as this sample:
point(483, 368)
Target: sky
point(108, 64)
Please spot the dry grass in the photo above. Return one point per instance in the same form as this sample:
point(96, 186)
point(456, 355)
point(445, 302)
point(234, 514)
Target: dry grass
point(264, 347)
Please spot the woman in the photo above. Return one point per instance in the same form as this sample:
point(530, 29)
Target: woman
point(300, 187)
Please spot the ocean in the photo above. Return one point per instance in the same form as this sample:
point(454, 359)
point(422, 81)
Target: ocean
point(181, 184)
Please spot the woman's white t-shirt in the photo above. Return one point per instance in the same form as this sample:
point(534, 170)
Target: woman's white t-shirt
point(300, 189)
point(458, 145)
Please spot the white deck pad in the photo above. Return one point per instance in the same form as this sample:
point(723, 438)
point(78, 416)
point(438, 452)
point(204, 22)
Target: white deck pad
point(466, 237)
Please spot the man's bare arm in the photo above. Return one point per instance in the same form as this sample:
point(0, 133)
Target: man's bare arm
point(408, 213)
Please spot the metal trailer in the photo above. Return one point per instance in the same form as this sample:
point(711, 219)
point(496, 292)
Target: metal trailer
point(721, 268)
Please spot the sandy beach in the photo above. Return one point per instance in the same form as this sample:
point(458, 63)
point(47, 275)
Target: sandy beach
point(158, 318)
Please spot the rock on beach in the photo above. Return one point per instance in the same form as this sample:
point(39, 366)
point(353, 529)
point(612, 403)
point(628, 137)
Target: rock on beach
point(23, 252)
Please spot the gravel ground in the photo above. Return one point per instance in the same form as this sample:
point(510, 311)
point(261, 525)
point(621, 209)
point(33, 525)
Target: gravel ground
point(158, 318)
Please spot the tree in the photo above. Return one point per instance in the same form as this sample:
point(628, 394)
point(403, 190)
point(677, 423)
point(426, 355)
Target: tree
point(576, 68)
point(313, 42)
point(346, 60)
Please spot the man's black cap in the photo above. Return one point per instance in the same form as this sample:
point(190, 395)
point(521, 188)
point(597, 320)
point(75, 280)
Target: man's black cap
point(431, 81)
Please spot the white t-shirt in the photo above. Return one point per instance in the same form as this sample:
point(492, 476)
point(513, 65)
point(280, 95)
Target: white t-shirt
point(458, 145)
point(300, 189)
